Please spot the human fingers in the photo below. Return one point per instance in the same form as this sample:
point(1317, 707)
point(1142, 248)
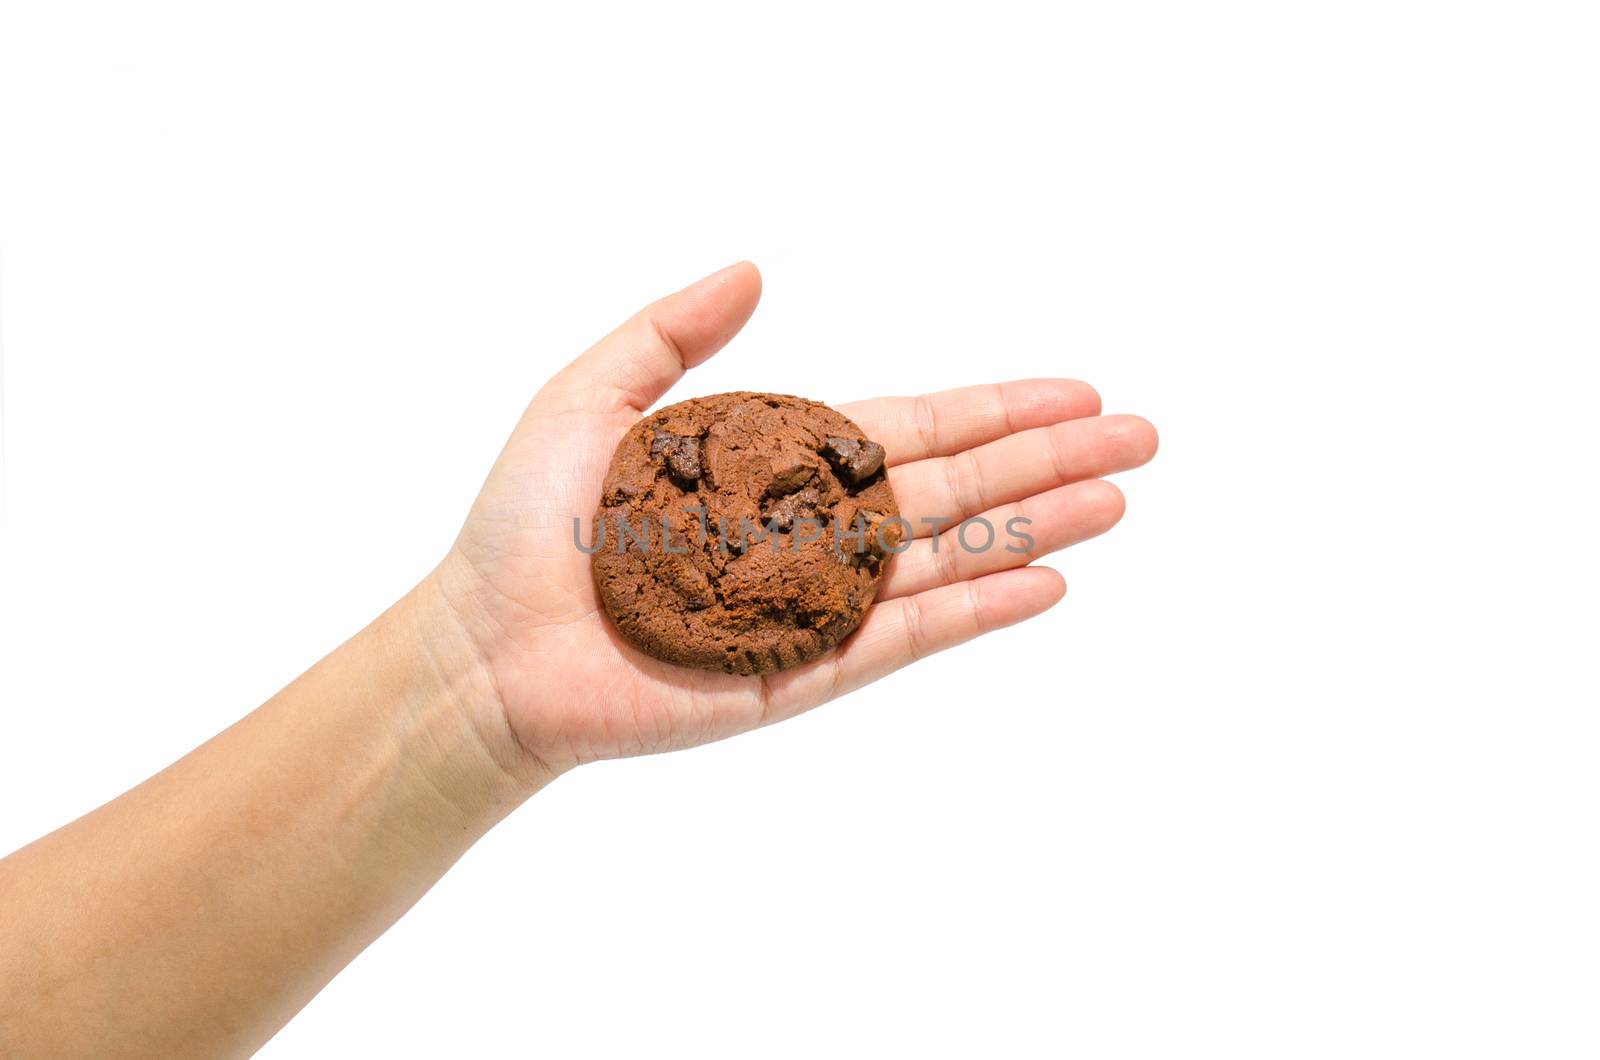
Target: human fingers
point(951, 421)
point(951, 488)
point(1051, 521)
point(899, 632)
point(632, 367)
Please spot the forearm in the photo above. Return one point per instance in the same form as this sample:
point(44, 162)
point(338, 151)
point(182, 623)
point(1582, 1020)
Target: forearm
point(198, 912)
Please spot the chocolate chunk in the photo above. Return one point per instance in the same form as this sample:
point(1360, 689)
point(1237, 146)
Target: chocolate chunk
point(801, 505)
point(855, 461)
point(682, 454)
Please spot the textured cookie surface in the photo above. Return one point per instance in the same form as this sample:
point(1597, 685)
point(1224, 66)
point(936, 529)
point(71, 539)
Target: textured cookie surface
point(779, 523)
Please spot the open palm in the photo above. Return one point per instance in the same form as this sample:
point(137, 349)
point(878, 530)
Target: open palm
point(572, 689)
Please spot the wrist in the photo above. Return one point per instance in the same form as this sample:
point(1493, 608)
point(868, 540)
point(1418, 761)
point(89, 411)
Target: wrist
point(448, 689)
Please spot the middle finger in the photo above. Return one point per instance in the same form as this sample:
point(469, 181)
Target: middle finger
point(1017, 466)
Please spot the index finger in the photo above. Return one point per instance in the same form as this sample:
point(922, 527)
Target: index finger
point(952, 421)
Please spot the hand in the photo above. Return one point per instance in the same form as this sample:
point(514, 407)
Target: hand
point(312, 824)
point(568, 686)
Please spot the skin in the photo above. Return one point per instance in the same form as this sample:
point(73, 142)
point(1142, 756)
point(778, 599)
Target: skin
point(195, 914)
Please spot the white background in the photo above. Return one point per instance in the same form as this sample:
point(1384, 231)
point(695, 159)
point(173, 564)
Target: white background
point(1305, 764)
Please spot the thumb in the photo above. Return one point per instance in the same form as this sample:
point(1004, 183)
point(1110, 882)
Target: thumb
point(633, 366)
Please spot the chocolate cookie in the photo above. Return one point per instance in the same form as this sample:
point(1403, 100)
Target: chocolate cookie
point(743, 532)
